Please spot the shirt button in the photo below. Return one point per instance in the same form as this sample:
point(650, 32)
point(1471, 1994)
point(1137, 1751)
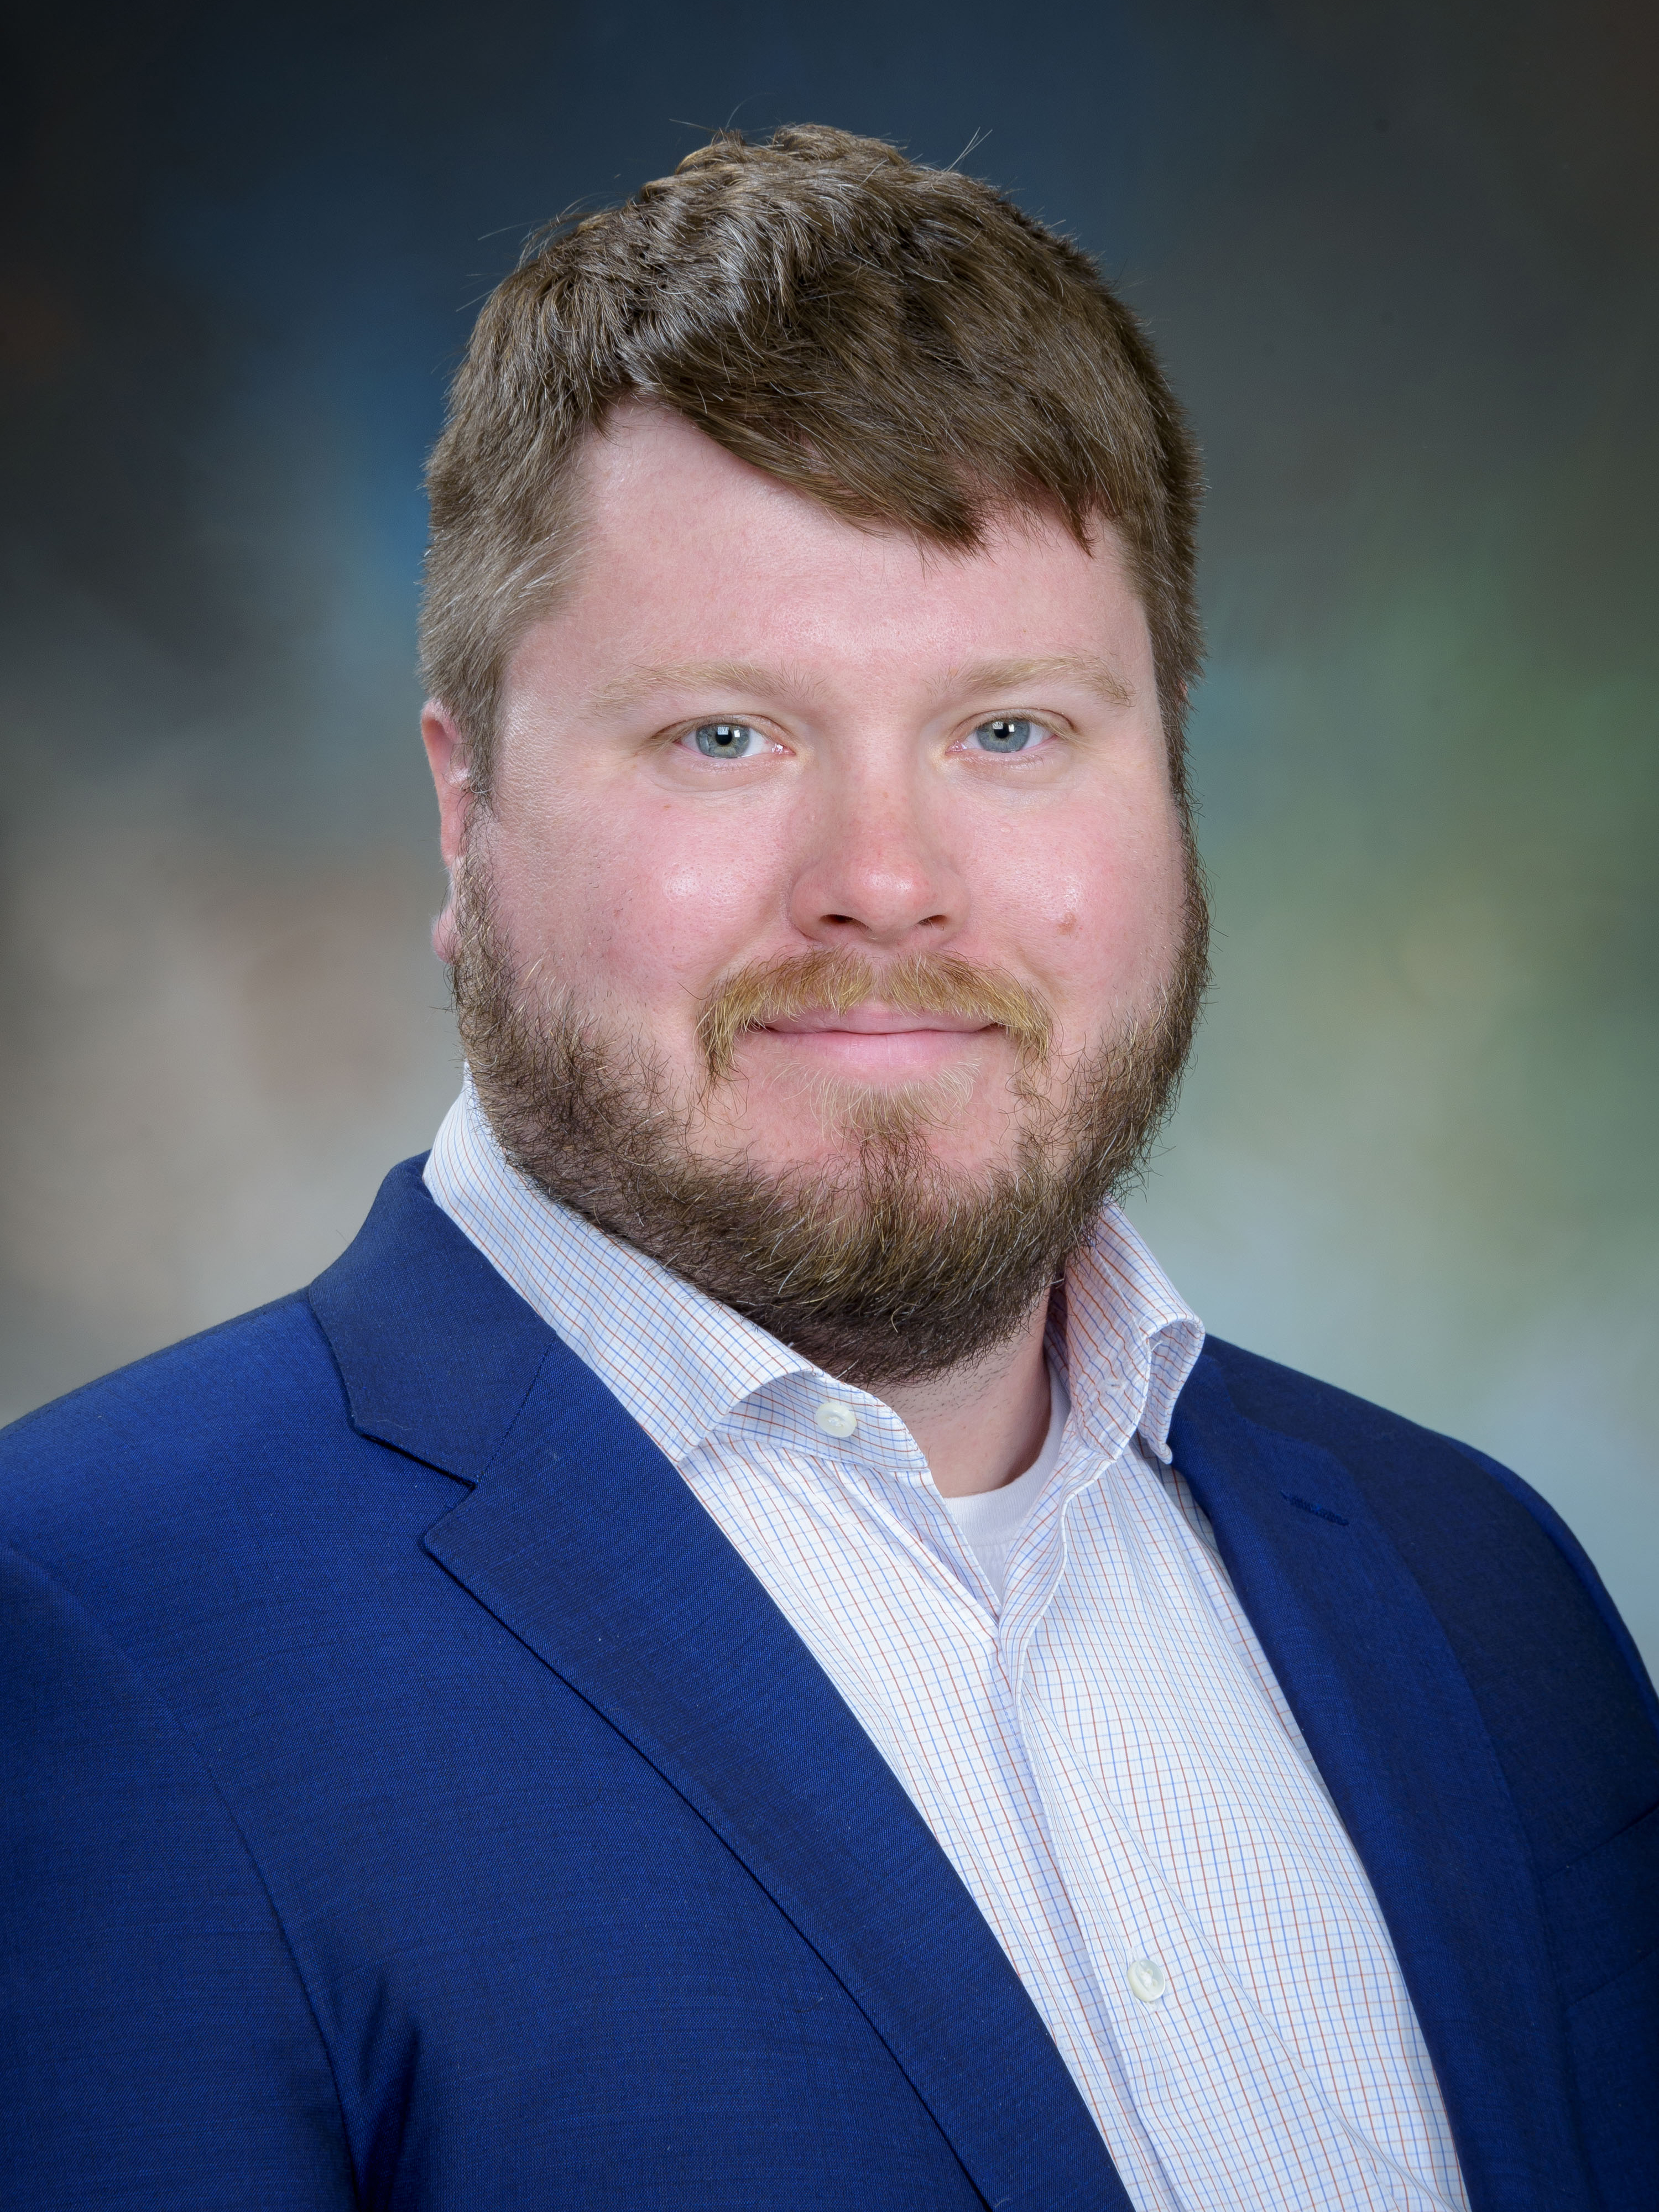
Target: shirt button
point(836, 1419)
point(1147, 1980)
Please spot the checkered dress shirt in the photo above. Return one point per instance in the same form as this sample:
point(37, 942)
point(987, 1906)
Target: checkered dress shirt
point(1105, 1757)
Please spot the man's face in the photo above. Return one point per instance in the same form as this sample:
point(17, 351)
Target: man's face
point(760, 764)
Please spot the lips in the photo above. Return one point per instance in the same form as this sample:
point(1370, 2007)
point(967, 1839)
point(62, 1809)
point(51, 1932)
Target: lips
point(872, 1021)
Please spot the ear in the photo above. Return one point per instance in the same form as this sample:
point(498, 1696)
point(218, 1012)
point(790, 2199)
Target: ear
point(447, 756)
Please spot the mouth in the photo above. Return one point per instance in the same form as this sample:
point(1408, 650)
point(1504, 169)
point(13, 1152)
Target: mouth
point(832, 1014)
point(873, 1019)
point(869, 1043)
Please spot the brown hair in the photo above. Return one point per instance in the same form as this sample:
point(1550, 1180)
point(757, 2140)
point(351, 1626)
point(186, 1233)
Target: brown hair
point(900, 342)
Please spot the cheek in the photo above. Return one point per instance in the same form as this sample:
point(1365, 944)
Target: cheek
point(1103, 904)
point(641, 907)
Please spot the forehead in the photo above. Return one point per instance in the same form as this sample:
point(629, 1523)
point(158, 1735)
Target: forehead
point(685, 552)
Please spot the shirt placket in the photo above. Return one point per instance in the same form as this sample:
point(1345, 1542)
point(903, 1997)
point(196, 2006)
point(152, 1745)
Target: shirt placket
point(1179, 2017)
point(1037, 1562)
point(1036, 1569)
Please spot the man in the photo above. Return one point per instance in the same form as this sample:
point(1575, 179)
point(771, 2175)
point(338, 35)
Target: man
point(739, 1649)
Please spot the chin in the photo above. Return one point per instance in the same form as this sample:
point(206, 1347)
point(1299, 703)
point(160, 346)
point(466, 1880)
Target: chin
point(848, 1146)
point(830, 1123)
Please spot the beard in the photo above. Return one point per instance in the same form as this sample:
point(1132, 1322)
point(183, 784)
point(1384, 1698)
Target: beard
point(885, 1266)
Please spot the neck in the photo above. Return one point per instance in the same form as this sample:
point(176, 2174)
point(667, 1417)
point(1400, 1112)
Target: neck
point(978, 1426)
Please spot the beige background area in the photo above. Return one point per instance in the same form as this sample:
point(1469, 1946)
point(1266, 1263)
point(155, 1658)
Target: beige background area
point(227, 1048)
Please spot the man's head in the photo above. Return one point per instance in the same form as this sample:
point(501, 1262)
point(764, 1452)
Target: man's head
point(809, 624)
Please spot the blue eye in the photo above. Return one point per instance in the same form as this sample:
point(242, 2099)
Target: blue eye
point(1008, 733)
point(727, 740)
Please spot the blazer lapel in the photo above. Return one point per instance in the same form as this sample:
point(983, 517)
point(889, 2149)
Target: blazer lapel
point(1394, 1729)
point(583, 1541)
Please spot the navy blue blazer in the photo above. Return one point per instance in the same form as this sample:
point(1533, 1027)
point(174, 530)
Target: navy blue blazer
point(415, 1801)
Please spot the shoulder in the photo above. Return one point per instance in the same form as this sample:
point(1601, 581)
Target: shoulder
point(194, 1406)
point(1451, 1510)
point(1379, 1448)
point(287, 1453)
point(210, 1485)
point(175, 1451)
point(218, 1414)
point(1297, 1404)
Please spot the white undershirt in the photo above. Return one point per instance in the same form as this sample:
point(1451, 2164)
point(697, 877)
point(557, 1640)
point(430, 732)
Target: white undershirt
point(990, 1523)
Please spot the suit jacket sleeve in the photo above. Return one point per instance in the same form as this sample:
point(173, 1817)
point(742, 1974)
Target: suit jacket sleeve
point(156, 2045)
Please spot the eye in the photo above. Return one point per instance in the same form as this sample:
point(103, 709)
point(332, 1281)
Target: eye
point(726, 741)
point(1007, 733)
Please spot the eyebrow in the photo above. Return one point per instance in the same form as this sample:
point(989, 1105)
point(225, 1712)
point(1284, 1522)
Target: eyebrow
point(1087, 670)
point(639, 684)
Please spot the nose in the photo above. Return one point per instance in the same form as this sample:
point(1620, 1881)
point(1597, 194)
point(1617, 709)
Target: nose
point(874, 875)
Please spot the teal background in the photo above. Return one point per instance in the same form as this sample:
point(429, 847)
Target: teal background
point(1400, 260)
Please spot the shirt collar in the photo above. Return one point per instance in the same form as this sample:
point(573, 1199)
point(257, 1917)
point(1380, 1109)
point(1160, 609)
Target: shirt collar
point(682, 1362)
point(1126, 1337)
point(679, 1360)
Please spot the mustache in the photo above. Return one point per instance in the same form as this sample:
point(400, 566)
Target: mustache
point(766, 991)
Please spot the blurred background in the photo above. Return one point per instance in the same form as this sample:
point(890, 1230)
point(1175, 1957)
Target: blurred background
point(1400, 258)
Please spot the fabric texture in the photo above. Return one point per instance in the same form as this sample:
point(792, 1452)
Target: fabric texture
point(1105, 1757)
point(413, 1800)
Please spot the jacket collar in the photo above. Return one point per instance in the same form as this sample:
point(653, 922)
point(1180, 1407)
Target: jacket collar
point(579, 1536)
point(1394, 1729)
point(437, 1353)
